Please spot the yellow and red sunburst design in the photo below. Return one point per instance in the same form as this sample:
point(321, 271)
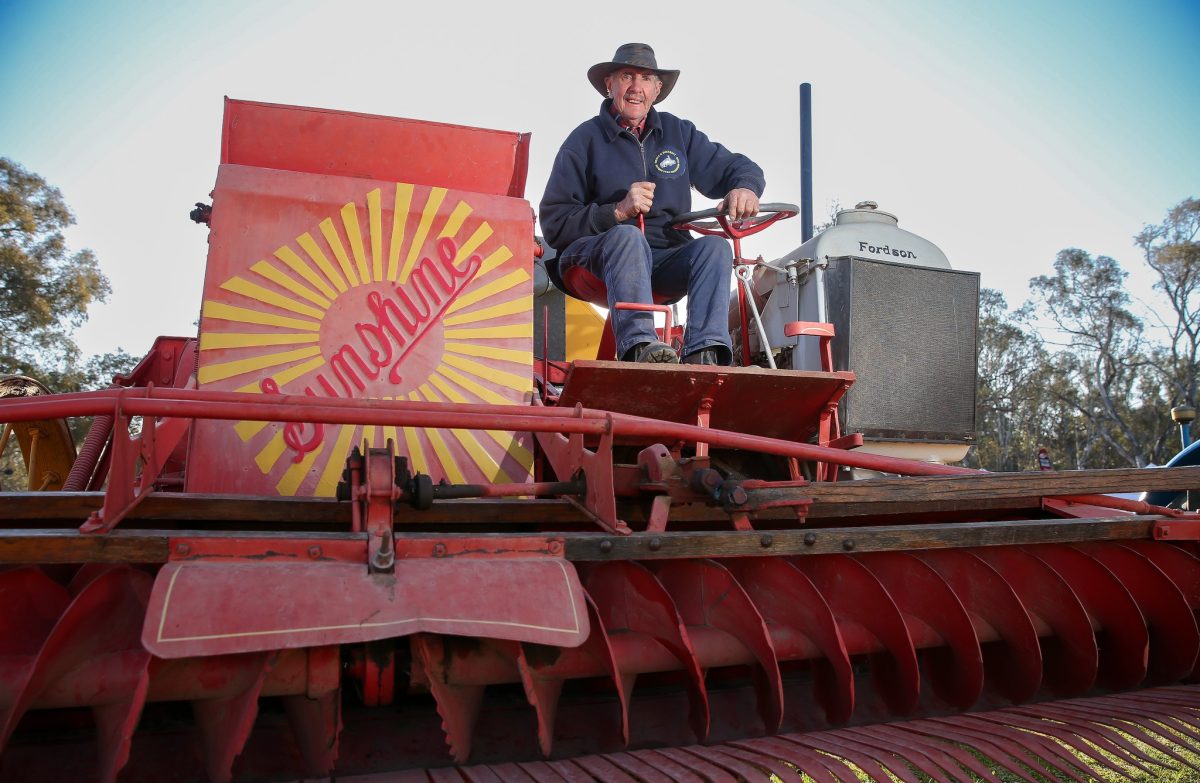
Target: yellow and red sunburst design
point(369, 290)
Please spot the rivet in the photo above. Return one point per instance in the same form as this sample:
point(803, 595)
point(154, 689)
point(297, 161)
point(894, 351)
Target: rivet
point(314, 552)
point(655, 544)
point(182, 548)
point(555, 547)
point(439, 550)
point(810, 539)
point(848, 544)
point(766, 540)
point(606, 546)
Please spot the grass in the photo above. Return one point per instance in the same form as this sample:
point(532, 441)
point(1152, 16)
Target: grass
point(1163, 768)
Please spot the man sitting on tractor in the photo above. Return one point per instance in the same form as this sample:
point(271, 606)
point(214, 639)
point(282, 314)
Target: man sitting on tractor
point(633, 166)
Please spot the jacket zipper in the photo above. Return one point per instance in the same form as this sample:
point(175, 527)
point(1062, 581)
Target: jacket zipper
point(641, 150)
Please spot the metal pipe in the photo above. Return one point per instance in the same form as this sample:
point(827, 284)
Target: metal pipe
point(291, 400)
point(537, 489)
point(546, 346)
point(1121, 504)
point(265, 407)
point(253, 409)
point(748, 294)
point(806, 172)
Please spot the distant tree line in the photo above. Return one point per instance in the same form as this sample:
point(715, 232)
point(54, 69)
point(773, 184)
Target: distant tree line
point(1082, 370)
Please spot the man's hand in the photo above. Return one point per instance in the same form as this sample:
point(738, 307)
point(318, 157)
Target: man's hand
point(740, 203)
point(638, 201)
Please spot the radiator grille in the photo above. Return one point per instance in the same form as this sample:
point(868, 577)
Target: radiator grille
point(908, 334)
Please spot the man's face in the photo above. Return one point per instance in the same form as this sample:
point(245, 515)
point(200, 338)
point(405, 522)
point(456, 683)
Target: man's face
point(633, 91)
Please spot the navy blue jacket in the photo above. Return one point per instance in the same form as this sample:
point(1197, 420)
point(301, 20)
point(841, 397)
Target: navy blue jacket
point(600, 160)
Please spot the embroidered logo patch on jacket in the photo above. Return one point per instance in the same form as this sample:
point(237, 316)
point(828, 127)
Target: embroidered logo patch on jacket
point(669, 163)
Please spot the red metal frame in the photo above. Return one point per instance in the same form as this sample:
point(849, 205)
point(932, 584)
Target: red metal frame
point(568, 426)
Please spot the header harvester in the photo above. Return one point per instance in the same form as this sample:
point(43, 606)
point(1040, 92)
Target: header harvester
point(395, 513)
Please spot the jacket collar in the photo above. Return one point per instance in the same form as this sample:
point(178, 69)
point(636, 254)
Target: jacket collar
point(612, 128)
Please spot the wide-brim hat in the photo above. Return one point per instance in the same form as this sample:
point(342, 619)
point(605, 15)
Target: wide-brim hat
point(632, 55)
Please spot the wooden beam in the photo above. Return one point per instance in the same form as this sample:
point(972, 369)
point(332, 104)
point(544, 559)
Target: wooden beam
point(831, 501)
point(32, 547)
point(302, 513)
point(986, 486)
point(152, 546)
point(652, 546)
point(130, 546)
point(984, 491)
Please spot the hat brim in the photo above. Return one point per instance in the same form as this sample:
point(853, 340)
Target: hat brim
point(598, 72)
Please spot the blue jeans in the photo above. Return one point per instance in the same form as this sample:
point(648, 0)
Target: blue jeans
point(633, 271)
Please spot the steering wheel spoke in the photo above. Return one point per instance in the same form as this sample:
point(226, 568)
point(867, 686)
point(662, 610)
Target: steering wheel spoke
point(716, 222)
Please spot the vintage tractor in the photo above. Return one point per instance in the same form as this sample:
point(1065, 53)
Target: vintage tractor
point(387, 517)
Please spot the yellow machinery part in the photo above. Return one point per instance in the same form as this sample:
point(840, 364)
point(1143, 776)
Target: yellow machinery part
point(583, 329)
point(47, 447)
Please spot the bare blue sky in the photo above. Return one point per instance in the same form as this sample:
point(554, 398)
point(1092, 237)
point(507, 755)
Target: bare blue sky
point(1003, 132)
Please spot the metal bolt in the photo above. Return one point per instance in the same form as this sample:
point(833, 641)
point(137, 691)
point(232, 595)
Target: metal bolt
point(848, 544)
point(810, 539)
point(606, 546)
point(738, 496)
point(439, 550)
point(314, 552)
point(655, 544)
point(766, 540)
point(555, 547)
point(182, 548)
point(706, 480)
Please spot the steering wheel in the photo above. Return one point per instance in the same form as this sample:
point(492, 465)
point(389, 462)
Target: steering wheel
point(716, 222)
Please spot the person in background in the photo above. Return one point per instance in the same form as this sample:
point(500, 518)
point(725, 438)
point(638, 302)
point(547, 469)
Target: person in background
point(632, 161)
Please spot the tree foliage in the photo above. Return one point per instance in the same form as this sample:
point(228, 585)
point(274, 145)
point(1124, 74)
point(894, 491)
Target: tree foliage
point(1172, 251)
point(1012, 366)
point(1096, 387)
point(45, 289)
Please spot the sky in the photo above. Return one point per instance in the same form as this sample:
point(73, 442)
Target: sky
point(1002, 132)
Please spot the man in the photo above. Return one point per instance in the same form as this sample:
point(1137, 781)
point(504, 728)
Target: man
point(633, 160)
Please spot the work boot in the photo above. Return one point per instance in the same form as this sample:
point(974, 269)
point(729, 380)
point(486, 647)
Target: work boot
point(654, 353)
point(703, 356)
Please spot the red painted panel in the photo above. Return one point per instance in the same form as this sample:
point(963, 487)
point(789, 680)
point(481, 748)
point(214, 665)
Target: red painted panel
point(323, 141)
point(746, 401)
point(214, 608)
point(349, 288)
